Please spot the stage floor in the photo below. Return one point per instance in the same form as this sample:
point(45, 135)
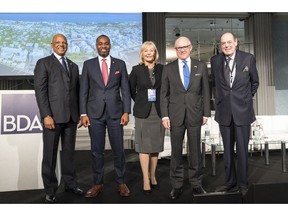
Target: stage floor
point(268, 184)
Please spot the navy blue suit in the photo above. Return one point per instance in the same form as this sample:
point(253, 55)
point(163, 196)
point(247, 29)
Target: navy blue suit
point(234, 112)
point(104, 106)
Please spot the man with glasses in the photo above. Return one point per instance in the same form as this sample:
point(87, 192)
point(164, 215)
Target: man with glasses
point(185, 107)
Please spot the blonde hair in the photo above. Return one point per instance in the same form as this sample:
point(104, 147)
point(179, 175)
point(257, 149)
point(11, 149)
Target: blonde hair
point(143, 47)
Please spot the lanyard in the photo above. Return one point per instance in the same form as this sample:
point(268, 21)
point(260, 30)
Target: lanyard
point(233, 66)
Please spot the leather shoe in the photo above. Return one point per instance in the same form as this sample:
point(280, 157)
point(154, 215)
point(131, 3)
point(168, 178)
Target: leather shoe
point(123, 190)
point(95, 190)
point(76, 191)
point(50, 199)
point(225, 188)
point(199, 190)
point(175, 193)
point(243, 191)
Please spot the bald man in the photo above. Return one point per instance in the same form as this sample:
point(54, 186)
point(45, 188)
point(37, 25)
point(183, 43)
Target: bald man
point(234, 91)
point(56, 80)
point(185, 107)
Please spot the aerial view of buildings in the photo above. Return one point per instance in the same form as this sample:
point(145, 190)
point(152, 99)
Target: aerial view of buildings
point(25, 38)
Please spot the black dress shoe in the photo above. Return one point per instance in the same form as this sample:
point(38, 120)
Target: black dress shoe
point(243, 190)
point(50, 199)
point(225, 188)
point(199, 190)
point(76, 190)
point(175, 193)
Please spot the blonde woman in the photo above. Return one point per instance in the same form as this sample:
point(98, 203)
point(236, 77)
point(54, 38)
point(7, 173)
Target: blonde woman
point(145, 84)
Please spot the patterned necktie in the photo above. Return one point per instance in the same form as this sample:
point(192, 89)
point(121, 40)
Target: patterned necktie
point(64, 65)
point(186, 74)
point(227, 70)
point(104, 71)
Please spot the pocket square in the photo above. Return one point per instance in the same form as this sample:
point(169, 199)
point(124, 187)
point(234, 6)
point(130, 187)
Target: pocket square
point(117, 72)
point(245, 69)
point(197, 74)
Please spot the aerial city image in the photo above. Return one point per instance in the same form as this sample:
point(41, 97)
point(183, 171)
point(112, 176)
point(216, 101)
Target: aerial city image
point(26, 37)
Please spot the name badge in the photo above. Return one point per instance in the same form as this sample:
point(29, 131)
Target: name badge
point(152, 95)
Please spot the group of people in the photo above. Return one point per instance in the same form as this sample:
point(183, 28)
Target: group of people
point(173, 97)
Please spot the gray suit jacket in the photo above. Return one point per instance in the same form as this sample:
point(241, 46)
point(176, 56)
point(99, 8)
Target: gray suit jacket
point(237, 101)
point(94, 95)
point(56, 92)
point(175, 101)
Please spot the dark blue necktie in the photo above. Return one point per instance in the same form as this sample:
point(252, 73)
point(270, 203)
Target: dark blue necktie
point(186, 74)
point(64, 65)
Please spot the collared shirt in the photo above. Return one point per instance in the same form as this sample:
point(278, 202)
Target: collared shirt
point(233, 73)
point(181, 65)
point(60, 58)
point(108, 61)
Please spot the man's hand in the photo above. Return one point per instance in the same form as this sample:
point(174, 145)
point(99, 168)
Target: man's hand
point(124, 119)
point(49, 122)
point(205, 120)
point(166, 123)
point(84, 121)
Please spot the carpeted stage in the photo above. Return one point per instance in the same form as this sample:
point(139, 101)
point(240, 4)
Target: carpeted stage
point(268, 184)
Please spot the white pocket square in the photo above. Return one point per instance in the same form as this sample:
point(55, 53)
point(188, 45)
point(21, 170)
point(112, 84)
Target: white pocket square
point(197, 74)
point(245, 69)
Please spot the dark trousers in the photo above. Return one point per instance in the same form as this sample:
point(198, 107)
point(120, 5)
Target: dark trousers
point(97, 131)
point(67, 133)
point(194, 155)
point(240, 135)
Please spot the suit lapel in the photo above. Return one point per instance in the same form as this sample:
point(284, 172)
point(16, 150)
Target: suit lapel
point(194, 69)
point(239, 65)
point(70, 67)
point(112, 69)
point(145, 72)
point(221, 70)
point(98, 74)
point(176, 73)
point(59, 65)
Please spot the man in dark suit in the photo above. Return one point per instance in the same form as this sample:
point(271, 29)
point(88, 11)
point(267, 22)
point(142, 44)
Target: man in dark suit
point(105, 104)
point(185, 109)
point(234, 90)
point(57, 90)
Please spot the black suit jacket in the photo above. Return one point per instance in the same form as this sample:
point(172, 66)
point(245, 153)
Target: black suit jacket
point(238, 100)
point(139, 81)
point(95, 96)
point(176, 102)
point(56, 92)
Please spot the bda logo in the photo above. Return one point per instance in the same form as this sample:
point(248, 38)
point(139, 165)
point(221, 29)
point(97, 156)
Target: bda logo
point(20, 114)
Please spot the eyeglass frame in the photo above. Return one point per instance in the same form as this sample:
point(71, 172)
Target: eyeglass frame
point(183, 47)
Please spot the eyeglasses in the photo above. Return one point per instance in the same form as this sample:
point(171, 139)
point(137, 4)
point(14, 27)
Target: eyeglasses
point(182, 48)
